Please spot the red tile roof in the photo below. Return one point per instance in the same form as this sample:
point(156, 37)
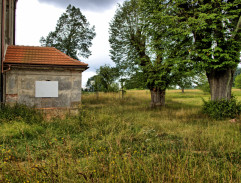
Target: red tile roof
point(39, 56)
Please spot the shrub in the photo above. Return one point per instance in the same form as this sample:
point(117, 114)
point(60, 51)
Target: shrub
point(238, 81)
point(221, 109)
point(28, 114)
point(205, 87)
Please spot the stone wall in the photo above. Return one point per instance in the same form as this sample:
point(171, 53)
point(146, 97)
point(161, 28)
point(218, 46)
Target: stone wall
point(20, 87)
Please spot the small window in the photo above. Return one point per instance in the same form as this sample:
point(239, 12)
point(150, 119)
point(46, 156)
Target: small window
point(46, 89)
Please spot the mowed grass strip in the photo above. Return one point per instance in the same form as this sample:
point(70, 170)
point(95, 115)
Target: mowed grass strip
point(124, 140)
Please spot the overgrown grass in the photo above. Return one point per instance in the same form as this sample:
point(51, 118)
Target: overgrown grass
point(115, 140)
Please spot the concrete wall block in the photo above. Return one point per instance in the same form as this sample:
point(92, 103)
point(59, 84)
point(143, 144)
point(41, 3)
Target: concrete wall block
point(26, 99)
point(65, 84)
point(46, 103)
point(12, 86)
point(62, 101)
point(21, 88)
point(27, 83)
point(77, 84)
point(75, 97)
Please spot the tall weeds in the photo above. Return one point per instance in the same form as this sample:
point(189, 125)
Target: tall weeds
point(123, 140)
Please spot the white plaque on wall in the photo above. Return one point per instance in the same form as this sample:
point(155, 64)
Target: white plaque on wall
point(46, 89)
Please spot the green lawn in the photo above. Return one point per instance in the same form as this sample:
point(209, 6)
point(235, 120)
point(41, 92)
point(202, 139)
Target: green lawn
point(115, 140)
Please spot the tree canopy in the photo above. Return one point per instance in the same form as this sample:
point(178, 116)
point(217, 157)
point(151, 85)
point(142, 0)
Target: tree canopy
point(73, 34)
point(137, 43)
point(160, 37)
point(214, 30)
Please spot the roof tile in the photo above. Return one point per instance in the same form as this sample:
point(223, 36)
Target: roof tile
point(39, 56)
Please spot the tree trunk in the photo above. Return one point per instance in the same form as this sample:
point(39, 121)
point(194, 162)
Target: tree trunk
point(220, 83)
point(182, 90)
point(157, 97)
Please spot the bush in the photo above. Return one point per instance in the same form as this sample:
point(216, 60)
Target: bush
point(238, 82)
point(29, 115)
point(205, 87)
point(221, 109)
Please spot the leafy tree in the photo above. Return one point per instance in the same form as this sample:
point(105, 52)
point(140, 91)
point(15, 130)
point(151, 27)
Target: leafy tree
point(132, 49)
point(108, 76)
point(138, 42)
point(214, 27)
point(238, 81)
point(136, 81)
point(104, 80)
point(184, 75)
point(72, 35)
point(237, 72)
point(202, 82)
point(93, 83)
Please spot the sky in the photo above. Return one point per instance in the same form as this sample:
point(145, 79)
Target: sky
point(36, 18)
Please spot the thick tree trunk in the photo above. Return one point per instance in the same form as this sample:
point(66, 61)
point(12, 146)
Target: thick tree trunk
point(157, 97)
point(220, 83)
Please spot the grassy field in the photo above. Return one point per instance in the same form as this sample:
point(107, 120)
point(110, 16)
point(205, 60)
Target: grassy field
point(115, 140)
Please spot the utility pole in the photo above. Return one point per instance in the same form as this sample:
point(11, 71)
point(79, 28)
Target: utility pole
point(2, 49)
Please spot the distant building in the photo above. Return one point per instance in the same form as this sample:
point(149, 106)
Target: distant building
point(42, 77)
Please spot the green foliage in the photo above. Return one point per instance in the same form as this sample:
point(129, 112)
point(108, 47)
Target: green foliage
point(136, 81)
point(93, 84)
point(184, 75)
point(141, 40)
point(238, 81)
point(213, 26)
point(72, 35)
point(105, 80)
point(221, 109)
point(204, 87)
point(237, 72)
point(206, 33)
point(18, 111)
point(202, 83)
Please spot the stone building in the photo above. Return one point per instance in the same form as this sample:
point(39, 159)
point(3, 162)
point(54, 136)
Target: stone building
point(42, 77)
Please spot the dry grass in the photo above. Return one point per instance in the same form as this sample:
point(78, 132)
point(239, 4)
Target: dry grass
point(124, 140)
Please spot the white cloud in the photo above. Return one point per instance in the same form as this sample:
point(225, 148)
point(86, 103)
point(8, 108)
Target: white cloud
point(85, 76)
point(35, 19)
point(93, 5)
